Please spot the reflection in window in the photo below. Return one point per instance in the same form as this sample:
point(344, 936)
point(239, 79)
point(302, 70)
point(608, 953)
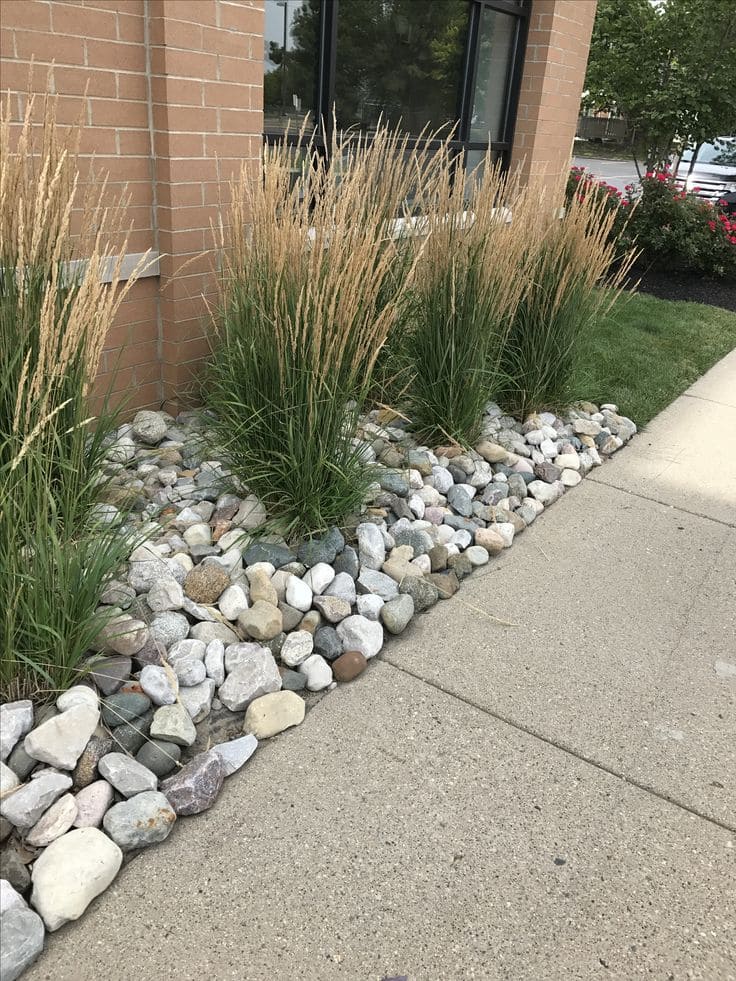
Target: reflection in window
point(497, 37)
point(401, 60)
point(291, 52)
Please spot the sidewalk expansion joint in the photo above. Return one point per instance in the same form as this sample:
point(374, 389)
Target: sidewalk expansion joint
point(702, 398)
point(666, 504)
point(568, 750)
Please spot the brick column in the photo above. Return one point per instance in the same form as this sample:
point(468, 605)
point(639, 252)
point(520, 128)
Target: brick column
point(206, 65)
point(552, 83)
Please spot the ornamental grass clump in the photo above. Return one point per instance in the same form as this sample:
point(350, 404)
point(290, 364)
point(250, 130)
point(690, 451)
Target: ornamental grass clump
point(56, 549)
point(310, 251)
point(466, 291)
point(571, 256)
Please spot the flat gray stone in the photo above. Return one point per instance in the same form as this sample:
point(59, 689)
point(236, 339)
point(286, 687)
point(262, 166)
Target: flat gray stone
point(236, 753)
point(256, 676)
point(24, 806)
point(144, 820)
point(126, 775)
point(22, 935)
point(16, 719)
point(173, 724)
point(372, 581)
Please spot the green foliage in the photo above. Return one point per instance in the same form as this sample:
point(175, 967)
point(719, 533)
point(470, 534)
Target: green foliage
point(668, 67)
point(645, 352)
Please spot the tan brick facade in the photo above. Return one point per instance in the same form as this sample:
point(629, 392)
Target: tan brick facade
point(554, 72)
point(175, 105)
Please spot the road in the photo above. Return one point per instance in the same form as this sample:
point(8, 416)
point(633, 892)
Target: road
point(616, 172)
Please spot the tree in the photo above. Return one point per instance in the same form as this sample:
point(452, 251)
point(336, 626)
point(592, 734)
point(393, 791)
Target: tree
point(669, 67)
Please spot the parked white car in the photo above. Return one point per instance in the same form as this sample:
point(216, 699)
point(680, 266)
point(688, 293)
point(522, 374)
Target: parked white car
point(712, 175)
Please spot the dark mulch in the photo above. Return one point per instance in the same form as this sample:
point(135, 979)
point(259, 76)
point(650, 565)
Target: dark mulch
point(686, 286)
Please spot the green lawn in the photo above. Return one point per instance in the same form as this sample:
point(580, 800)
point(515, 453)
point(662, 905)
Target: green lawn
point(647, 351)
point(600, 151)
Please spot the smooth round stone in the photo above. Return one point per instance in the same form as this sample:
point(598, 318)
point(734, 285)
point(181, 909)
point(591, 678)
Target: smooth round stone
point(160, 684)
point(477, 555)
point(92, 804)
point(317, 672)
point(124, 707)
point(233, 602)
point(158, 756)
point(396, 614)
point(342, 587)
point(72, 872)
point(570, 478)
point(349, 665)
point(273, 713)
point(424, 593)
point(490, 540)
point(189, 672)
point(319, 577)
point(327, 643)
point(297, 647)
point(298, 594)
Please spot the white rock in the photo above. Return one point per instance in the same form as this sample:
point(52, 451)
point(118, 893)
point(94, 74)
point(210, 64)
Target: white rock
point(72, 872)
point(189, 672)
point(369, 606)
point(165, 594)
point(319, 577)
point(214, 661)
point(462, 538)
point(237, 752)
point(9, 898)
point(568, 461)
point(445, 534)
point(357, 633)
point(570, 478)
point(273, 713)
point(8, 780)
point(242, 653)
point(442, 479)
point(24, 806)
point(299, 594)
point(199, 534)
point(478, 555)
point(260, 569)
point(549, 448)
point(416, 505)
point(197, 699)
point(423, 563)
point(506, 530)
point(232, 602)
point(371, 547)
point(235, 538)
point(187, 648)
point(54, 823)
point(92, 803)
point(543, 492)
point(297, 647)
point(160, 683)
point(343, 587)
point(16, 719)
point(76, 695)
point(317, 672)
point(257, 676)
point(60, 740)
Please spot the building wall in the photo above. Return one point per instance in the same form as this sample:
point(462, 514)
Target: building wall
point(554, 72)
point(174, 104)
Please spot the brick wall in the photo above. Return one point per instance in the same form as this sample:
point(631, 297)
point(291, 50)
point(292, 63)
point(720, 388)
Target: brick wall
point(173, 105)
point(554, 72)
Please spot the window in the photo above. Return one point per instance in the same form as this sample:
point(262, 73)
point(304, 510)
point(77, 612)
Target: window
point(420, 64)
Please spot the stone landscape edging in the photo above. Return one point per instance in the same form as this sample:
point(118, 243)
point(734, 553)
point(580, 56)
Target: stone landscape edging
point(216, 635)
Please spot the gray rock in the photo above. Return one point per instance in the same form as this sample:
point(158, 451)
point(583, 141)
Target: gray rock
point(236, 753)
point(371, 547)
point(417, 539)
point(123, 635)
point(13, 866)
point(109, 673)
point(396, 614)
point(160, 683)
point(197, 699)
point(237, 654)
point(127, 776)
point(149, 427)
point(207, 632)
point(256, 676)
point(360, 634)
point(195, 787)
point(20, 762)
point(124, 707)
point(71, 872)
point(297, 648)
point(189, 671)
point(277, 555)
point(22, 935)
point(24, 806)
point(378, 583)
point(347, 561)
point(16, 719)
point(169, 627)
point(130, 736)
point(460, 501)
point(10, 898)
point(394, 483)
point(317, 550)
point(214, 661)
point(158, 756)
point(9, 780)
point(424, 593)
point(145, 820)
point(292, 680)
point(165, 594)
point(343, 587)
point(54, 823)
point(327, 643)
point(290, 617)
point(173, 724)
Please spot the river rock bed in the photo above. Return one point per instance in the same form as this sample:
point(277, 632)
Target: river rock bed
point(221, 635)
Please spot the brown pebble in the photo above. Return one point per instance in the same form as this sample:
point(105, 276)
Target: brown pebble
point(349, 665)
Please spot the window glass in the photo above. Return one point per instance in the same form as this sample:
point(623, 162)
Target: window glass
point(497, 36)
point(291, 56)
point(400, 60)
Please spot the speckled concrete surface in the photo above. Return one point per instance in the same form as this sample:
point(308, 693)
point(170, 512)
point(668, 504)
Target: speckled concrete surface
point(401, 831)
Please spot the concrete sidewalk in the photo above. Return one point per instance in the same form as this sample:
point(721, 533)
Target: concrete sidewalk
point(551, 799)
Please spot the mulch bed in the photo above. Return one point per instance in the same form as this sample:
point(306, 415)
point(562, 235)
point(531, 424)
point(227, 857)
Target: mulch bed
point(685, 286)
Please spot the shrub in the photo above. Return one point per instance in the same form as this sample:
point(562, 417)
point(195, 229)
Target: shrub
point(467, 287)
point(312, 282)
point(564, 265)
point(55, 552)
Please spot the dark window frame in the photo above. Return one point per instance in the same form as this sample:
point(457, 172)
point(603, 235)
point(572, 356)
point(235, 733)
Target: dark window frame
point(324, 96)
